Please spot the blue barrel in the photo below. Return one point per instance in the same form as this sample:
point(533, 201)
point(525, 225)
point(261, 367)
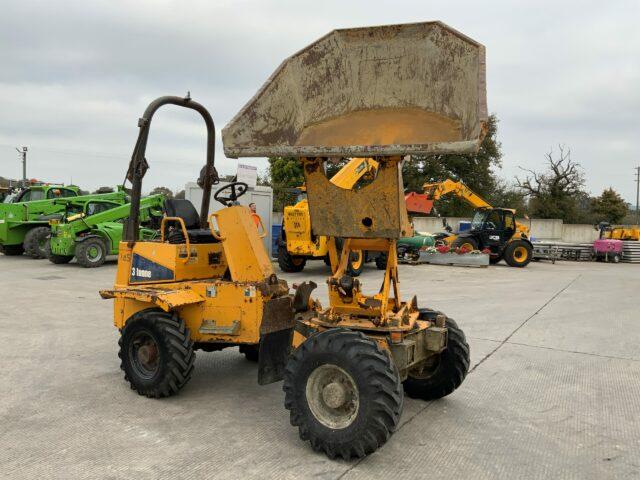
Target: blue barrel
point(275, 235)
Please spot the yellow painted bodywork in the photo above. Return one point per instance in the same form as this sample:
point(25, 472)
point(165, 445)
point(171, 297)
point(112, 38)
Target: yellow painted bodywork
point(297, 220)
point(218, 289)
point(624, 233)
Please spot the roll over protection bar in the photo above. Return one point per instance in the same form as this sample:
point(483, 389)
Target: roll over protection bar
point(138, 165)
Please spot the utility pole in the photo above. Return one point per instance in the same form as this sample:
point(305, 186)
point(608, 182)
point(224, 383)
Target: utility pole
point(638, 195)
point(23, 156)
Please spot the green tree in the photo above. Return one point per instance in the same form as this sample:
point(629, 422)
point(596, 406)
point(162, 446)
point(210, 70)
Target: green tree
point(558, 192)
point(285, 174)
point(162, 191)
point(609, 207)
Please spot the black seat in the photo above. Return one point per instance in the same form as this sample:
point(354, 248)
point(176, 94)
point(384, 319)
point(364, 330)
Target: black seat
point(185, 210)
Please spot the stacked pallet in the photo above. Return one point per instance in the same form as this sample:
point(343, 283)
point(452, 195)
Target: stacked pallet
point(631, 251)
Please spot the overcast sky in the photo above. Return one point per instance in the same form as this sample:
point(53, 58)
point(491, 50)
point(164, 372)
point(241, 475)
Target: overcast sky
point(76, 75)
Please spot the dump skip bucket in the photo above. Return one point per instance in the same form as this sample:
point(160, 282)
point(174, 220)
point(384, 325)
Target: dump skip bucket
point(375, 91)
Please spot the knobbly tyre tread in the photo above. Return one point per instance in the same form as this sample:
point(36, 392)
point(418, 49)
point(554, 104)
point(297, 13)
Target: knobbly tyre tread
point(381, 261)
point(453, 368)
point(380, 391)
point(82, 249)
point(31, 240)
point(57, 259)
point(285, 261)
point(176, 349)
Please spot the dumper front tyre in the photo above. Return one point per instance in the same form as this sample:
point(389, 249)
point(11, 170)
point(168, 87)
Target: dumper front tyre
point(518, 254)
point(53, 258)
point(441, 374)
point(156, 353)
point(12, 250)
point(91, 252)
point(290, 263)
point(381, 261)
point(35, 240)
point(343, 392)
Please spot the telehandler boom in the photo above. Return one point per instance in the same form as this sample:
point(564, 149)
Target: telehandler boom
point(95, 233)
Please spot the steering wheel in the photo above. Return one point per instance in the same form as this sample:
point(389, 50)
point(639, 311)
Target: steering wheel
point(237, 190)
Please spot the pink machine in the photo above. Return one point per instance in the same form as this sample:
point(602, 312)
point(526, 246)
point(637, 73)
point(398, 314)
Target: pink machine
point(608, 250)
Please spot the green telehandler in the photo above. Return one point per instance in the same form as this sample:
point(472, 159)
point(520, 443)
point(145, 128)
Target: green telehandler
point(97, 231)
point(25, 215)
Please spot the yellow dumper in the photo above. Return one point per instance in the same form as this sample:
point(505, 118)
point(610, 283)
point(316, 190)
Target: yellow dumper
point(207, 283)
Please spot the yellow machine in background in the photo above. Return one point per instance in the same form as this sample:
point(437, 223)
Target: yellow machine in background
point(298, 243)
point(624, 233)
point(495, 229)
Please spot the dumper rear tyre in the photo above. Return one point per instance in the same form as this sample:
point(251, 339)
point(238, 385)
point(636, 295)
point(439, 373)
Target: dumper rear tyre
point(443, 373)
point(53, 258)
point(518, 254)
point(156, 353)
point(290, 263)
point(34, 242)
point(12, 250)
point(343, 392)
point(91, 253)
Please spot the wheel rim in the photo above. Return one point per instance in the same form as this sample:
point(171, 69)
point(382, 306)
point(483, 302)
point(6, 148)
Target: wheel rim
point(467, 246)
point(356, 259)
point(144, 355)
point(332, 396)
point(94, 253)
point(520, 254)
point(297, 261)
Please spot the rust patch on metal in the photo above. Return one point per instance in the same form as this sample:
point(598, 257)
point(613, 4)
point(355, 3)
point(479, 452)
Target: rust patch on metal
point(277, 315)
point(310, 105)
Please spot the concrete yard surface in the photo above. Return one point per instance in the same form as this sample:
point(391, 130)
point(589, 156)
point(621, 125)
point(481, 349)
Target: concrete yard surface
point(554, 390)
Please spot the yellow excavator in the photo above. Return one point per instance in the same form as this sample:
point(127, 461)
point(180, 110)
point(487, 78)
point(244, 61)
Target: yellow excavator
point(495, 229)
point(298, 243)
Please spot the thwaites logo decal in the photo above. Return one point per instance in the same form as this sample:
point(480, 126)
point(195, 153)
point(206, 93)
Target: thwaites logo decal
point(144, 270)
